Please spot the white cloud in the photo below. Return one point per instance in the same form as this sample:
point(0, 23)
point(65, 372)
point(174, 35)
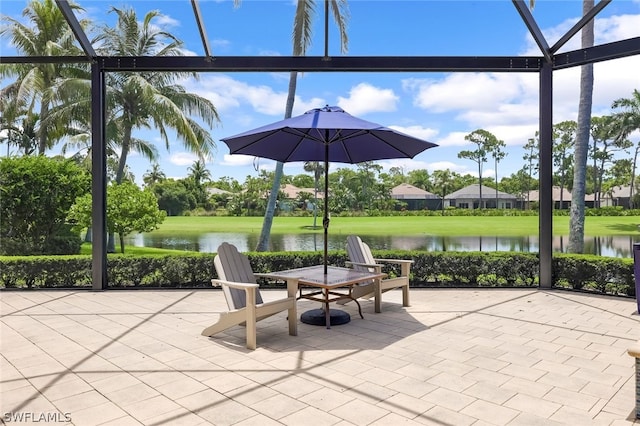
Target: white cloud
point(237, 160)
point(227, 93)
point(364, 98)
point(167, 21)
point(453, 139)
point(420, 132)
point(507, 104)
point(183, 159)
point(444, 165)
point(485, 91)
point(240, 160)
point(614, 28)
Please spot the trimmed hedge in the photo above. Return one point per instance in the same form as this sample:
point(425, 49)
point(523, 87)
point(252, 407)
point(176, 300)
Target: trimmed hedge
point(604, 275)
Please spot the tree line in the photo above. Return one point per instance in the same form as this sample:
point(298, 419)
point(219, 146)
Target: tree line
point(48, 103)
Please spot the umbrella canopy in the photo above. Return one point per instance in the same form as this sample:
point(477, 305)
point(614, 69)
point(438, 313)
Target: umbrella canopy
point(326, 134)
point(304, 138)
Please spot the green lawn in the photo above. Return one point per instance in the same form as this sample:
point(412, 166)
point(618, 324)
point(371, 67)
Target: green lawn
point(396, 225)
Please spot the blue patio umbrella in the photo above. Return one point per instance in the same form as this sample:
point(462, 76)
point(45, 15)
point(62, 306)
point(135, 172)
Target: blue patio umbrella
point(326, 134)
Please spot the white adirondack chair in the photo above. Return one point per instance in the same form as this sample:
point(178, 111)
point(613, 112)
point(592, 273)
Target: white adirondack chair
point(246, 306)
point(360, 258)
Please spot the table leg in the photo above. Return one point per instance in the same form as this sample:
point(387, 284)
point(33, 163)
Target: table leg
point(327, 313)
point(355, 300)
point(377, 297)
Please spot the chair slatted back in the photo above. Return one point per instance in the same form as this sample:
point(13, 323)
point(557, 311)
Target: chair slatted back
point(359, 252)
point(231, 265)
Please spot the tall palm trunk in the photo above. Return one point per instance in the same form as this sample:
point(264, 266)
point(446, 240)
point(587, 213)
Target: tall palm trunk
point(43, 137)
point(576, 222)
point(263, 242)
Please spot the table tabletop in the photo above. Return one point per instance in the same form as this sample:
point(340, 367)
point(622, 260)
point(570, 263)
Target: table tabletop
point(315, 276)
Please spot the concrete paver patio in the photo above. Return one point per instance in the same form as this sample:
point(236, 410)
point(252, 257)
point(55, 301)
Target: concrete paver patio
point(455, 357)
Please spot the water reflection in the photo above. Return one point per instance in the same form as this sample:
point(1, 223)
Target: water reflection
point(611, 246)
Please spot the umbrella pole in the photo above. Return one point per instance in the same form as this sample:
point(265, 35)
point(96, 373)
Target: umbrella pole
point(325, 219)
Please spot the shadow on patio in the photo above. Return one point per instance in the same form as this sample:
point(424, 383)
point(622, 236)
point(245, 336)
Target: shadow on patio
point(455, 357)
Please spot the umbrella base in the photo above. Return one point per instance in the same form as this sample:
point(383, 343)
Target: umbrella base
point(317, 317)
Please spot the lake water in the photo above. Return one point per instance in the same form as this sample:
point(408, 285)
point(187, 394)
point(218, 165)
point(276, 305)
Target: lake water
point(611, 246)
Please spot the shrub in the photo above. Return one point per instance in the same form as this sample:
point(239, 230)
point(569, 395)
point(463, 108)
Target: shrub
point(430, 269)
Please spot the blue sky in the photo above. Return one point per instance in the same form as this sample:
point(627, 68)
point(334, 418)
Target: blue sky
point(439, 107)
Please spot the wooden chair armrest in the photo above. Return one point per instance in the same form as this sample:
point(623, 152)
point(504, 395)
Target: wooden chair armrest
point(239, 286)
point(398, 261)
point(634, 350)
point(405, 265)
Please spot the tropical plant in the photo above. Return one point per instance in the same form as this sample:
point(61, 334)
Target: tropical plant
point(420, 178)
point(46, 33)
point(17, 123)
point(628, 116)
point(149, 99)
point(199, 175)
point(154, 175)
point(302, 32)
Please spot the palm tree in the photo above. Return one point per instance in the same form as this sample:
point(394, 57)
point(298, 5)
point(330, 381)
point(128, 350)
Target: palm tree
point(629, 114)
point(576, 215)
point(17, 124)
point(302, 31)
point(629, 118)
point(155, 175)
point(150, 99)
point(153, 99)
point(199, 173)
point(48, 35)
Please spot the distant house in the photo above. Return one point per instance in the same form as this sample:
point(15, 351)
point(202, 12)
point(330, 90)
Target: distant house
point(469, 198)
point(618, 196)
point(561, 198)
point(291, 193)
point(218, 191)
point(415, 198)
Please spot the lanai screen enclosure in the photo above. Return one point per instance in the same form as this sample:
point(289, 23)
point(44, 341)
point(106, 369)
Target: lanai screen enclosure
point(544, 64)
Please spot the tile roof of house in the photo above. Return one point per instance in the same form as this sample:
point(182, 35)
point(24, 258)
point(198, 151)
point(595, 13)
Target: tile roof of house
point(409, 192)
point(473, 191)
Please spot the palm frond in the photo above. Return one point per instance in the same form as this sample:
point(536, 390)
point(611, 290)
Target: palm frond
point(303, 26)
